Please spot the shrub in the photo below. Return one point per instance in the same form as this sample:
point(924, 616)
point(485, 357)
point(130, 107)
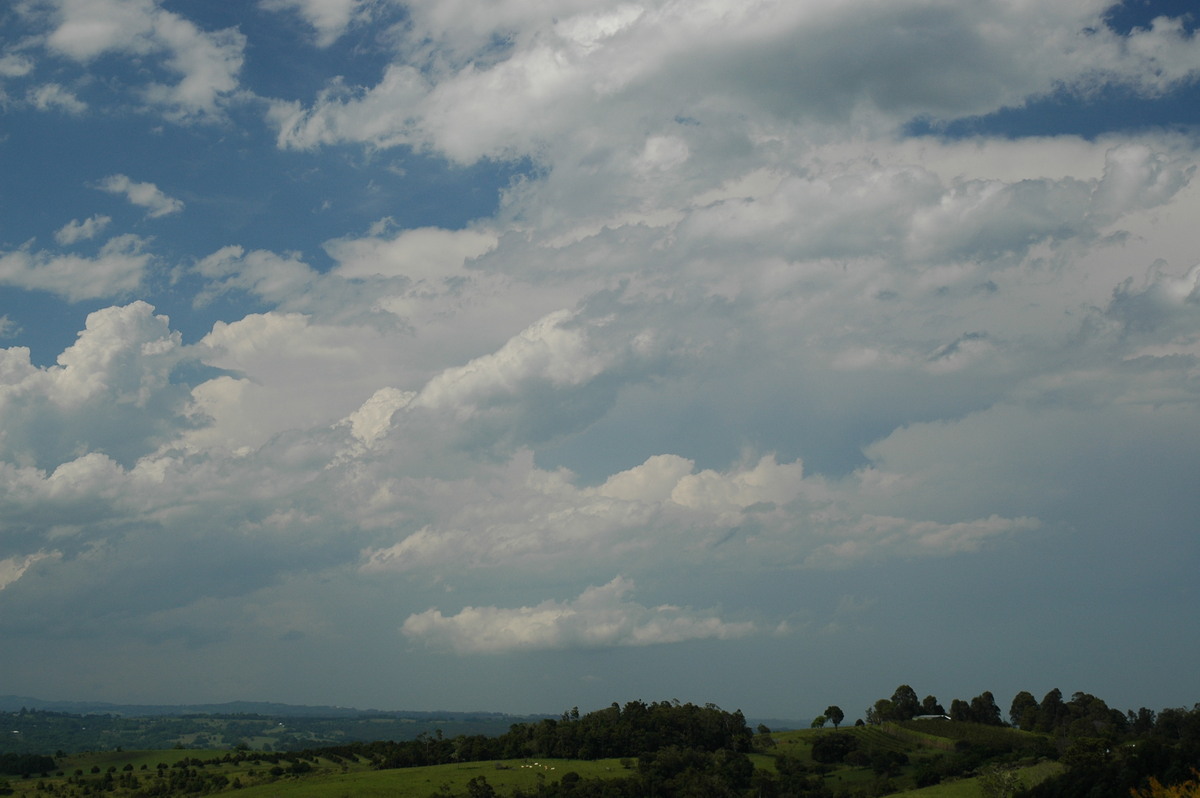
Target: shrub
point(830, 748)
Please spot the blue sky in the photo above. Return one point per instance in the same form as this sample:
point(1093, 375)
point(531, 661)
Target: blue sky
point(519, 356)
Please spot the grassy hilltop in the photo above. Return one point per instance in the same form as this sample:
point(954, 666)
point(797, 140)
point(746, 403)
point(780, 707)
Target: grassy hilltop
point(671, 750)
point(324, 774)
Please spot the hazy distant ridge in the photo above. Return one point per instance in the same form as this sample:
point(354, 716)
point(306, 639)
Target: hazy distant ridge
point(13, 703)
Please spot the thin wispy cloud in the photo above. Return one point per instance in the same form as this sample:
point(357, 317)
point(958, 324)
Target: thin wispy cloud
point(75, 231)
point(52, 96)
point(144, 195)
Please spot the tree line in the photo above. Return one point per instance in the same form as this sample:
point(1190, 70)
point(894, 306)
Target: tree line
point(636, 729)
point(669, 750)
point(25, 764)
point(1084, 715)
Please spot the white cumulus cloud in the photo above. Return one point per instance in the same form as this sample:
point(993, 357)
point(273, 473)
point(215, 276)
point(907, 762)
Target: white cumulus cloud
point(52, 96)
point(75, 231)
point(144, 195)
point(328, 18)
point(205, 64)
point(599, 617)
point(109, 393)
point(15, 65)
point(582, 68)
point(117, 269)
point(13, 568)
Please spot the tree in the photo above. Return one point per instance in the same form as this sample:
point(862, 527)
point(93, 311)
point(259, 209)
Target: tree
point(1142, 723)
point(830, 748)
point(905, 703)
point(960, 710)
point(998, 782)
point(478, 787)
point(930, 706)
point(883, 710)
point(1023, 711)
point(984, 709)
point(1185, 789)
point(1089, 716)
point(819, 722)
point(886, 763)
point(1052, 711)
point(835, 715)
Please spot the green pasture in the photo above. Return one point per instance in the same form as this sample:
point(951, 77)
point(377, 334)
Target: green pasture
point(963, 788)
point(424, 781)
point(919, 740)
point(93, 765)
point(105, 759)
point(333, 779)
point(1031, 776)
point(327, 779)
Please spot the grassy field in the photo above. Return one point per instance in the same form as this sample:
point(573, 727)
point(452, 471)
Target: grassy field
point(326, 779)
point(919, 741)
point(969, 788)
point(118, 759)
point(422, 782)
point(334, 778)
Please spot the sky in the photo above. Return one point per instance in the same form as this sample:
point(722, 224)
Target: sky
point(530, 354)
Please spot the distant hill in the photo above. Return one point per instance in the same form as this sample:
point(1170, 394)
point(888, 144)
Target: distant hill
point(779, 724)
point(97, 725)
point(14, 703)
point(39, 726)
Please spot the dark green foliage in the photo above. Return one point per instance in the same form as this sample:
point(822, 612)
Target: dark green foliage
point(478, 787)
point(794, 779)
point(831, 748)
point(902, 706)
point(42, 731)
point(680, 771)
point(1141, 723)
point(670, 772)
point(990, 740)
point(905, 704)
point(882, 711)
point(887, 763)
point(636, 729)
point(1051, 712)
point(24, 764)
point(686, 751)
point(998, 782)
point(984, 709)
point(1179, 724)
point(928, 773)
point(1023, 712)
point(1114, 772)
point(1091, 717)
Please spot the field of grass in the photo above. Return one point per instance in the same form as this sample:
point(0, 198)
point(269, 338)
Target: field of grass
point(422, 782)
point(334, 778)
point(105, 759)
point(920, 741)
point(1030, 775)
point(326, 779)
